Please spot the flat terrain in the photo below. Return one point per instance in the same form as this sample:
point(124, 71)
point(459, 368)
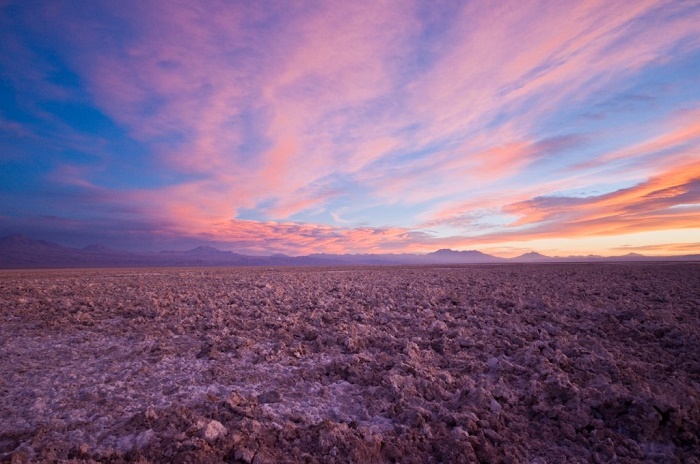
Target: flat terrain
point(505, 363)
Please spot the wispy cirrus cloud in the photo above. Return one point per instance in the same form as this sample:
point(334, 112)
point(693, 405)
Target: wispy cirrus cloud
point(190, 82)
point(676, 248)
point(473, 119)
point(676, 141)
point(670, 199)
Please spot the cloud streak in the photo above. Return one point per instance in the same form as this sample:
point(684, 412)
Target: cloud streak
point(254, 124)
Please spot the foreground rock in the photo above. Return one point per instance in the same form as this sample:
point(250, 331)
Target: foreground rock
point(516, 363)
point(213, 430)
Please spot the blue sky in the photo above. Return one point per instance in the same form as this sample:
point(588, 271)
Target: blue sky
point(353, 127)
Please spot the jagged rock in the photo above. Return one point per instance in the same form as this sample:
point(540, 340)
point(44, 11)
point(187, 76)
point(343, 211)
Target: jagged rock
point(144, 438)
point(363, 365)
point(272, 396)
point(213, 430)
point(245, 454)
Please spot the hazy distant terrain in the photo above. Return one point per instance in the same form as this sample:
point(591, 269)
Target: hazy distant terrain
point(21, 252)
point(511, 363)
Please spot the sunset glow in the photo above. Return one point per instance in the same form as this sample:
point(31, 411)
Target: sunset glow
point(353, 127)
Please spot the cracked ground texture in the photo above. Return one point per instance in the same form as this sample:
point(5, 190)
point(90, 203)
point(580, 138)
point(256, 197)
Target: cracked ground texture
point(502, 363)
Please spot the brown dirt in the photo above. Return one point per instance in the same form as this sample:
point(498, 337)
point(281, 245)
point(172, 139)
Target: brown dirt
point(507, 363)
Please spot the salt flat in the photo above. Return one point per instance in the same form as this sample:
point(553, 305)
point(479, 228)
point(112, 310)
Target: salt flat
point(494, 363)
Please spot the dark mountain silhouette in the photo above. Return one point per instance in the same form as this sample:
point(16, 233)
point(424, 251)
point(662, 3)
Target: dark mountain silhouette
point(532, 257)
point(99, 248)
point(447, 256)
point(21, 252)
point(18, 242)
point(207, 251)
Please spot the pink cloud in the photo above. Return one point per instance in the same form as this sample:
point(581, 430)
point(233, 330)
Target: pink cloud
point(173, 85)
point(674, 248)
point(649, 205)
point(299, 239)
point(667, 195)
point(530, 59)
point(508, 55)
point(329, 90)
point(675, 135)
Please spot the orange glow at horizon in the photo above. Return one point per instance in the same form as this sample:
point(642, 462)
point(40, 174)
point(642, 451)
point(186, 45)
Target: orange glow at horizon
point(354, 127)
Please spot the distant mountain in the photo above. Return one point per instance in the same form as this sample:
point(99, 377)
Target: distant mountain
point(18, 251)
point(443, 256)
point(21, 252)
point(532, 257)
point(98, 248)
point(364, 259)
point(203, 256)
point(18, 242)
point(447, 256)
point(206, 251)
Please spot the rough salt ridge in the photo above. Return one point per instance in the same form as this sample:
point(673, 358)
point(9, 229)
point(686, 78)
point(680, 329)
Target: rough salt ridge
point(512, 363)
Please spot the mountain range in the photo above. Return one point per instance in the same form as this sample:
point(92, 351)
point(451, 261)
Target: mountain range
point(21, 252)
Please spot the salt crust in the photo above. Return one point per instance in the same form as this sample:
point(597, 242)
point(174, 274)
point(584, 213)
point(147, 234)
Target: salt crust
point(514, 363)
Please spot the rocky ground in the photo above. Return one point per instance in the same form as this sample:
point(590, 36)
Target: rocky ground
point(506, 363)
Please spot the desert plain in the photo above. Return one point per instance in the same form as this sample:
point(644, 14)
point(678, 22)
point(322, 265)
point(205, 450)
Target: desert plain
point(531, 363)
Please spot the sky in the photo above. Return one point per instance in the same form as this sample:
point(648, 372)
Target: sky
point(562, 127)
